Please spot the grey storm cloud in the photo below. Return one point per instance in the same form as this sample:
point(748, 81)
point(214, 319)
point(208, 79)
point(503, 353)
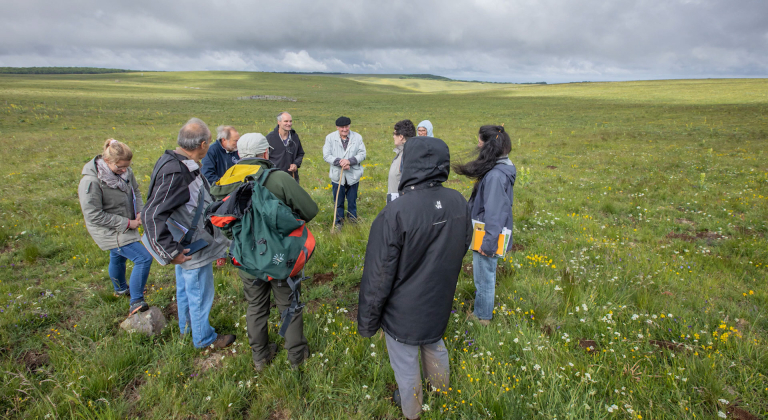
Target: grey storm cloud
point(504, 40)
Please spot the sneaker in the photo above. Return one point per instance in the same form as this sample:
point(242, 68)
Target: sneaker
point(221, 262)
point(295, 366)
point(123, 293)
point(261, 364)
point(223, 341)
point(137, 307)
point(483, 322)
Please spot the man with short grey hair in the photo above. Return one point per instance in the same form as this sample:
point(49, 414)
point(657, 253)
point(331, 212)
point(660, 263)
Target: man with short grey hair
point(222, 154)
point(286, 153)
point(175, 231)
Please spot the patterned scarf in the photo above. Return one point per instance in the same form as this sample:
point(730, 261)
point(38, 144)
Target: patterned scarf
point(110, 178)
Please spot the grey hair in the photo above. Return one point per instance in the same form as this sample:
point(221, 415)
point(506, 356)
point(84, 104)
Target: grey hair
point(280, 116)
point(224, 131)
point(193, 134)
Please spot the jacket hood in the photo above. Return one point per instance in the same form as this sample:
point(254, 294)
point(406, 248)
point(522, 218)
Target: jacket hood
point(90, 167)
point(507, 168)
point(425, 159)
point(428, 125)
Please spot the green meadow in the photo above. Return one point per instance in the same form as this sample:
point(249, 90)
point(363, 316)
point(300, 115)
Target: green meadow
point(636, 289)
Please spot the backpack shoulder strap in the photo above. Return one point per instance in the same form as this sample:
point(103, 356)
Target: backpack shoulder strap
point(261, 176)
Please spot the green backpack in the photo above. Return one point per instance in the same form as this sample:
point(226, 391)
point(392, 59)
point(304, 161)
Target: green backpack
point(268, 240)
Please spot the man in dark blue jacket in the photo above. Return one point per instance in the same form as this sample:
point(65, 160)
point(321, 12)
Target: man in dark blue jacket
point(222, 155)
point(412, 264)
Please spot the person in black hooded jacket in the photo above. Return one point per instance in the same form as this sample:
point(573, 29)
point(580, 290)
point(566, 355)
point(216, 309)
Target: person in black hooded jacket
point(412, 263)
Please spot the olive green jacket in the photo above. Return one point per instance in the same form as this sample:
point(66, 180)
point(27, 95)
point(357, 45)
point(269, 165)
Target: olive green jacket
point(107, 211)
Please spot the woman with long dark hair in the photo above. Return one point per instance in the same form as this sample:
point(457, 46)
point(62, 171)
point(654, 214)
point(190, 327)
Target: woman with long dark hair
point(491, 204)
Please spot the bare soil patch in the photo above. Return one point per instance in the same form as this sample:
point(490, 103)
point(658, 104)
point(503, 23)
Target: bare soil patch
point(171, 310)
point(319, 279)
point(551, 167)
point(739, 413)
point(35, 359)
point(281, 414)
point(517, 248)
point(588, 345)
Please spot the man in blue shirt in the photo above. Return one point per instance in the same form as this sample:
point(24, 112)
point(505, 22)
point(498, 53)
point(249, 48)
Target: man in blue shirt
point(222, 155)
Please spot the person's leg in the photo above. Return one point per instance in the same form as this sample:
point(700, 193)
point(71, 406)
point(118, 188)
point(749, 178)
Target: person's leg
point(295, 342)
point(117, 270)
point(257, 316)
point(404, 360)
point(182, 304)
point(199, 288)
point(340, 203)
point(484, 271)
point(352, 201)
point(142, 261)
point(434, 364)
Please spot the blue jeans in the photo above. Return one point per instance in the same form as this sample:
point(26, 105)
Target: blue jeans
point(350, 193)
point(484, 271)
point(194, 298)
point(142, 261)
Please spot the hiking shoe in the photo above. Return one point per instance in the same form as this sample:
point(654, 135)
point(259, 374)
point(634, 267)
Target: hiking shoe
point(261, 364)
point(137, 307)
point(483, 322)
point(295, 366)
point(221, 262)
point(396, 398)
point(123, 293)
point(223, 341)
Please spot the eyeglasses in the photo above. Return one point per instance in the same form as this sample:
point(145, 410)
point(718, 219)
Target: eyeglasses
point(395, 133)
point(122, 168)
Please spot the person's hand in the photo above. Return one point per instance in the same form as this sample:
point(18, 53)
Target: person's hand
point(134, 224)
point(344, 163)
point(138, 217)
point(293, 168)
point(483, 253)
point(181, 258)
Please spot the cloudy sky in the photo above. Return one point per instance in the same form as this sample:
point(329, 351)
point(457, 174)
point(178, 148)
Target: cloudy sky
point(494, 40)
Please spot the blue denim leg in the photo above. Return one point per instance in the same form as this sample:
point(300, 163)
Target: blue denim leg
point(340, 203)
point(117, 270)
point(142, 261)
point(484, 270)
point(194, 298)
point(351, 192)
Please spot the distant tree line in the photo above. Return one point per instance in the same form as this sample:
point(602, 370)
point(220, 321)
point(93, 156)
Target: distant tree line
point(59, 70)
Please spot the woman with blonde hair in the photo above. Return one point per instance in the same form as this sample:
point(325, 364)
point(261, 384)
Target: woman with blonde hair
point(111, 202)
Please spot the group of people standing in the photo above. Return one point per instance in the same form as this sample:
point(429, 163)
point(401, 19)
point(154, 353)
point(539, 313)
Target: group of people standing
point(413, 257)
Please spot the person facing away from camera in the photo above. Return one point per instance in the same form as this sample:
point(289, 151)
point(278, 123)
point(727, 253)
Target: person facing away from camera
point(178, 194)
point(222, 154)
point(412, 263)
point(286, 152)
point(111, 204)
point(491, 203)
point(404, 130)
point(255, 151)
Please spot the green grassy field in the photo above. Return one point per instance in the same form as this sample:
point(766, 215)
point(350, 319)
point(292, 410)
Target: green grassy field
point(637, 288)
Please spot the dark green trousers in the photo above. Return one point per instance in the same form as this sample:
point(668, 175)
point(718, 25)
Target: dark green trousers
point(257, 318)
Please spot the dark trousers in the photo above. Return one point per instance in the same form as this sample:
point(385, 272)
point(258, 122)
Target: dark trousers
point(350, 193)
point(257, 318)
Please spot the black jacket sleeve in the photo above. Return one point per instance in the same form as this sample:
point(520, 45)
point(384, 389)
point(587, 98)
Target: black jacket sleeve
point(382, 258)
point(299, 152)
point(170, 191)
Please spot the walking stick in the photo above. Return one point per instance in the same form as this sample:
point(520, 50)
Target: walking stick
point(336, 202)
